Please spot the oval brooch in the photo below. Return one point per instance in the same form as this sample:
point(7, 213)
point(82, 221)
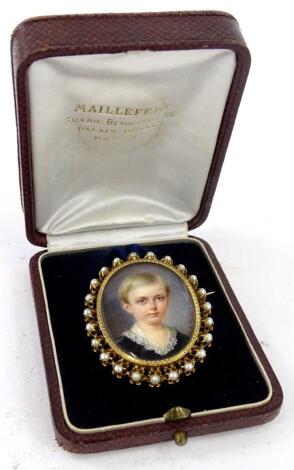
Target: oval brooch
point(148, 319)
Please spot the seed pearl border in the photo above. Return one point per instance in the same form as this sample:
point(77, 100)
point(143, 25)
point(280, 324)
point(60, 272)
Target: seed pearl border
point(154, 373)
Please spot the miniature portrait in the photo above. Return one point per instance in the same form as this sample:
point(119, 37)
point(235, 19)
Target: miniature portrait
point(148, 312)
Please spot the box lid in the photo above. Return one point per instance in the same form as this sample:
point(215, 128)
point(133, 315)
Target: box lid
point(124, 119)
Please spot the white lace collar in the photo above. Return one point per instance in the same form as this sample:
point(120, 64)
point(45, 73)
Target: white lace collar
point(136, 335)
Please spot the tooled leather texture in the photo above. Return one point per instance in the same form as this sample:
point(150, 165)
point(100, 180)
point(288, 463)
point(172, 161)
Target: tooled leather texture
point(89, 33)
point(151, 433)
point(109, 33)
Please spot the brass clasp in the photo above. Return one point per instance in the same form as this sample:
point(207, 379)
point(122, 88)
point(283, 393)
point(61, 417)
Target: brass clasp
point(175, 414)
point(180, 437)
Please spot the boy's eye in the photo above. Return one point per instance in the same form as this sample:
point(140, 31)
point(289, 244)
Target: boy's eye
point(160, 298)
point(141, 301)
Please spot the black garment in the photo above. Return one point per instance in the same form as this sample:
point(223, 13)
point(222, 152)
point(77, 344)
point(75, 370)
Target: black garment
point(138, 350)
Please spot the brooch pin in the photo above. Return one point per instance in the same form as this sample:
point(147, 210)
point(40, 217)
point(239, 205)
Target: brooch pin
point(148, 319)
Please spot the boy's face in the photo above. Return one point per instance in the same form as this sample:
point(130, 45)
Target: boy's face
point(148, 304)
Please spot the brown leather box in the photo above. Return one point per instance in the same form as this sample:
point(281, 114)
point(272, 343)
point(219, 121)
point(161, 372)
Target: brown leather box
point(123, 123)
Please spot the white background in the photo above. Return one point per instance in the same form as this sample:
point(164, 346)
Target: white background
point(249, 227)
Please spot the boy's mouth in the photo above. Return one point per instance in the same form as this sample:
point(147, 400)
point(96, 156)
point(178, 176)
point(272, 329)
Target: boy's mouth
point(153, 314)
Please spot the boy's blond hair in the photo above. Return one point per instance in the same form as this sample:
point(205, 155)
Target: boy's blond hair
point(138, 280)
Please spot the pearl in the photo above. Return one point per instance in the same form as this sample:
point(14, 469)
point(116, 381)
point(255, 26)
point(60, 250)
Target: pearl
point(95, 343)
point(136, 376)
point(189, 366)
point(103, 273)
point(116, 262)
point(118, 368)
point(201, 294)
point(104, 356)
point(193, 280)
point(90, 327)
point(94, 284)
point(206, 307)
point(167, 260)
point(133, 256)
point(90, 300)
point(207, 338)
point(155, 379)
point(182, 268)
point(201, 354)
point(87, 314)
point(173, 375)
point(209, 321)
point(150, 256)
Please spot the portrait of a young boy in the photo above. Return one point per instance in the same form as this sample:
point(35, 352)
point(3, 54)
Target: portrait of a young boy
point(145, 296)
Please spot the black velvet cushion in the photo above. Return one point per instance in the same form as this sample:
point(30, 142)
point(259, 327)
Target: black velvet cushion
point(94, 397)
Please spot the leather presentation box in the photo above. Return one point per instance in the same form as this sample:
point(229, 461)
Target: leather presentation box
point(123, 123)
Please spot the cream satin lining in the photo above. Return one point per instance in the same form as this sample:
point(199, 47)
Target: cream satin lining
point(148, 165)
point(119, 236)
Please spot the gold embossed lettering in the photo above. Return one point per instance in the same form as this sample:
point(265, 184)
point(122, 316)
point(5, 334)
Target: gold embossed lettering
point(80, 107)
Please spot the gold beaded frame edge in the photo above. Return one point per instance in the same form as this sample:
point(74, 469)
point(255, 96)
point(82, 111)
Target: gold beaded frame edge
point(140, 370)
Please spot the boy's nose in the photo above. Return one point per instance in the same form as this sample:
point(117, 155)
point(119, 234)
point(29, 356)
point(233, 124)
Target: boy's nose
point(153, 304)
